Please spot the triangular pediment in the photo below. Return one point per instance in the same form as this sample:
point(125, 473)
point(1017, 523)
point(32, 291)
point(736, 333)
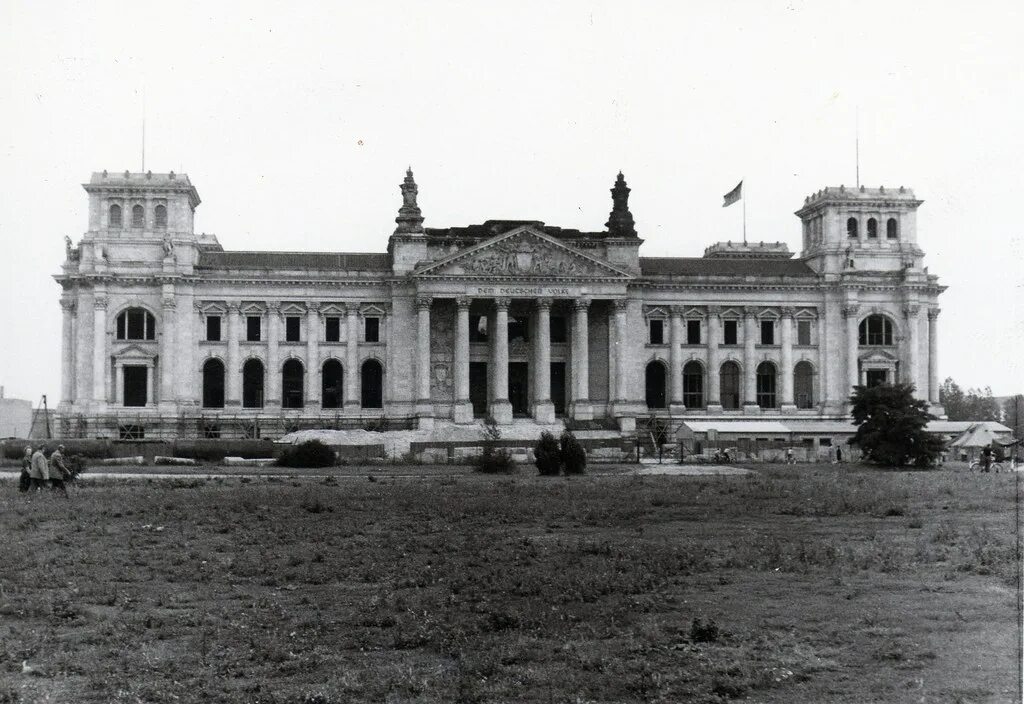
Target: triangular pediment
point(522, 253)
point(878, 357)
point(134, 352)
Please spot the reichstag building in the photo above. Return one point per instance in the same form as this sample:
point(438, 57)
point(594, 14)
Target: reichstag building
point(167, 334)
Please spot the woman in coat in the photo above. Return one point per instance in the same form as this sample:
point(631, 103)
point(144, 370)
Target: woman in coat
point(25, 481)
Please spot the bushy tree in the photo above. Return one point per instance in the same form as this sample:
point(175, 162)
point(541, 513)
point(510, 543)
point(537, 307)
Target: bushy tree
point(547, 455)
point(574, 457)
point(1013, 415)
point(972, 404)
point(891, 426)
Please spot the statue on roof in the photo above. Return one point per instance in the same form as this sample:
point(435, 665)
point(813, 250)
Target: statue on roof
point(410, 219)
point(620, 220)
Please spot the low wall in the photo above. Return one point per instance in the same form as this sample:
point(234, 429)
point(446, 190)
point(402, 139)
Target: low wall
point(450, 451)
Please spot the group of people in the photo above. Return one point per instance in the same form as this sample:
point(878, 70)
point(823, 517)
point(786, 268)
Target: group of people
point(37, 472)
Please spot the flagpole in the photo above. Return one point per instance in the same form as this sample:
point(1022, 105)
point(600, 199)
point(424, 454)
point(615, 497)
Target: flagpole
point(744, 199)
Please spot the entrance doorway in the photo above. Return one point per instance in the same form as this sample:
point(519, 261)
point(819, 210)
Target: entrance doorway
point(135, 386)
point(876, 377)
point(518, 385)
point(478, 388)
point(558, 387)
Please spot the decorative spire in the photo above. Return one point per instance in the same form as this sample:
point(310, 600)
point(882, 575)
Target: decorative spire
point(410, 220)
point(620, 221)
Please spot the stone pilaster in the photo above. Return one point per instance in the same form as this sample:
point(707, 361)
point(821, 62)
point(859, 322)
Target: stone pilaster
point(313, 386)
point(786, 333)
point(912, 339)
point(463, 409)
point(850, 313)
point(675, 361)
point(620, 405)
point(750, 361)
point(424, 408)
point(933, 362)
point(233, 373)
point(501, 408)
point(167, 353)
point(582, 409)
point(101, 352)
point(543, 408)
point(352, 372)
point(273, 397)
point(67, 363)
point(714, 388)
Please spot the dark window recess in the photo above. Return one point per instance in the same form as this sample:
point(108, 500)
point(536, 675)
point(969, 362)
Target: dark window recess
point(138, 216)
point(213, 384)
point(892, 229)
point(693, 332)
point(160, 216)
point(767, 332)
point(803, 332)
point(872, 228)
point(729, 332)
point(136, 324)
point(875, 330)
point(252, 384)
point(766, 385)
point(372, 384)
point(252, 328)
point(115, 216)
point(372, 329)
point(851, 228)
point(657, 332)
point(559, 331)
point(333, 378)
point(134, 383)
point(332, 329)
point(213, 328)
point(478, 328)
point(518, 328)
point(291, 384)
point(291, 328)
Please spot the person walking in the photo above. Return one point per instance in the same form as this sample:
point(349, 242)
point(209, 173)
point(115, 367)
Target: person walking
point(40, 470)
point(60, 473)
point(789, 456)
point(25, 481)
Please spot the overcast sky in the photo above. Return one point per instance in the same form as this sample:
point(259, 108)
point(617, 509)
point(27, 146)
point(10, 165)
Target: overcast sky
point(296, 121)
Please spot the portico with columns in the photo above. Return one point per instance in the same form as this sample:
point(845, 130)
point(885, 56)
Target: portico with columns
point(515, 320)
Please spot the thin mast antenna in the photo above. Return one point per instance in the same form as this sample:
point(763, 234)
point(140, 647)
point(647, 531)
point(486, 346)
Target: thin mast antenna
point(744, 199)
point(856, 142)
point(143, 130)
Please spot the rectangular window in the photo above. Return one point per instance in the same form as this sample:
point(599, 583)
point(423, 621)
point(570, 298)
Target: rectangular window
point(136, 325)
point(518, 328)
point(213, 328)
point(730, 333)
point(478, 328)
point(693, 332)
point(657, 328)
point(803, 332)
point(371, 326)
point(332, 328)
point(291, 328)
point(252, 328)
point(559, 331)
point(767, 332)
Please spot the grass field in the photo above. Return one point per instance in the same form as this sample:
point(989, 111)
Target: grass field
point(822, 586)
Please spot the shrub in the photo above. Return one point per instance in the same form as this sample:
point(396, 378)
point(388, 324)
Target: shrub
point(76, 467)
point(703, 632)
point(574, 457)
point(548, 456)
point(311, 453)
point(495, 461)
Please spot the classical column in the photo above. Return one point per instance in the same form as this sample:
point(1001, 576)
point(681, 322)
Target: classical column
point(714, 389)
point(424, 409)
point(100, 354)
point(750, 361)
point(119, 383)
point(787, 360)
point(273, 397)
point(543, 408)
point(913, 341)
point(84, 350)
point(463, 410)
point(233, 373)
point(933, 356)
point(167, 352)
point(852, 376)
point(581, 406)
point(675, 360)
point(150, 384)
point(313, 355)
point(501, 408)
point(621, 355)
point(352, 399)
point(67, 370)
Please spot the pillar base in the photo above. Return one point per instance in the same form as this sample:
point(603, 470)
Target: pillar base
point(425, 423)
point(937, 410)
point(751, 409)
point(582, 410)
point(462, 412)
point(501, 412)
point(714, 409)
point(232, 404)
point(544, 412)
point(627, 424)
point(676, 409)
point(788, 408)
point(351, 405)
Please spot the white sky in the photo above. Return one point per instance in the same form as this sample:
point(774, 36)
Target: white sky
point(296, 121)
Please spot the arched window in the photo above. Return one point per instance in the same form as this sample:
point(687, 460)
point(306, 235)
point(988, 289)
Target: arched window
point(729, 385)
point(875, 330)
point(291, 384)
point(213, 384)
point(872, 228)
point(892, 229)
point(160, 216)
point(803, 385)
point(851, 228)
point(693, 385)
point(252, 384)
point(766, 385)
point(655, 381)
point(372, 378)
point(136, 324)
point(115, 217)
point(138, 216)
point(332, 385)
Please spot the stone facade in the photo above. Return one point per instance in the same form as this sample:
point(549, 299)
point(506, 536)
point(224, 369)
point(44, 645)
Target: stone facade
point(166, 333)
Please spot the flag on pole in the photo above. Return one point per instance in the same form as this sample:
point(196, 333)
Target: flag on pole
point(733, 195)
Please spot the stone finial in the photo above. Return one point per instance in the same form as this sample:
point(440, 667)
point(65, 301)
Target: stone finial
point(410, 220)
point(620, 220)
